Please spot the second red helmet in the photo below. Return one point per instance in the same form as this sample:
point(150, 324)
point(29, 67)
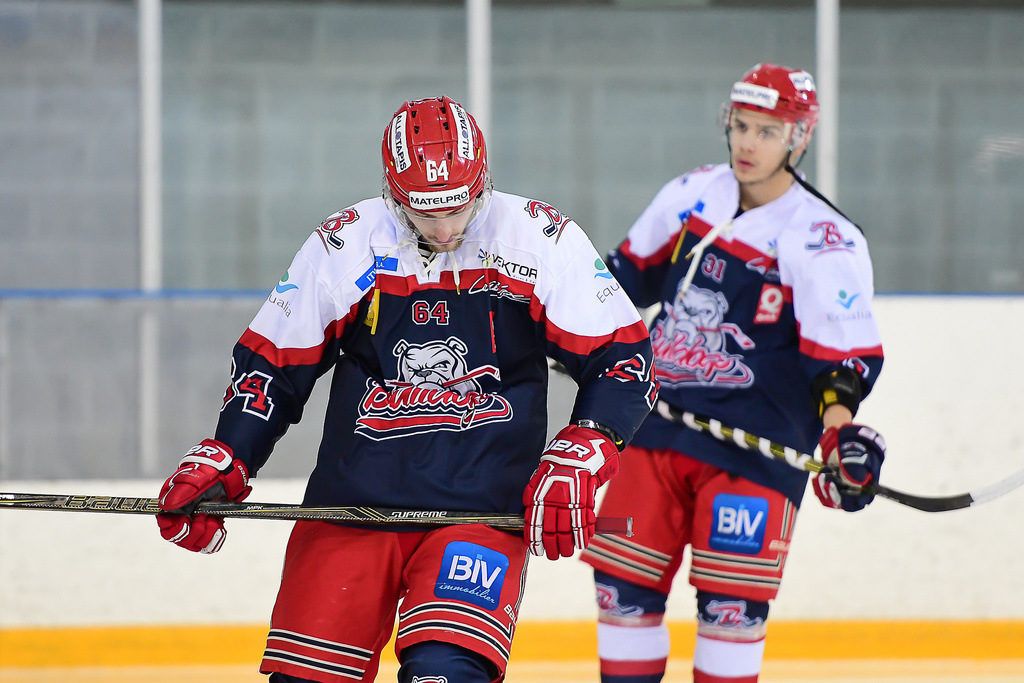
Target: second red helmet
point(782, 92)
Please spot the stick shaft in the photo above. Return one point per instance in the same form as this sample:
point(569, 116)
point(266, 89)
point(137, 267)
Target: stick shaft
point(806, 462)
point(359, 514)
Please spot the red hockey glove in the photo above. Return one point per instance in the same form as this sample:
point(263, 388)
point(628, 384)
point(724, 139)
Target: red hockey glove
point(855, 454)
point(208, 471)
point(559, 498)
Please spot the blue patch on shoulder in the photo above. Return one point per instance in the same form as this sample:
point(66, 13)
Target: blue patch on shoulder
point(697, 208)
point(379, 263)
point(389, 263)
point(471, 573)
point(738, 524)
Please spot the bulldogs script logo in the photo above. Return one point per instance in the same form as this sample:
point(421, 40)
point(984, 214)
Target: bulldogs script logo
point(331, 227)
point(690, 343)
point(434, 392)
point(608, 603)
point(728, 619)
point(635, 369)
point(556, 219)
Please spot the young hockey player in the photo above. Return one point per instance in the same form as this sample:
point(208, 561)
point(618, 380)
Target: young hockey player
point(766, 325)
point(435, 308)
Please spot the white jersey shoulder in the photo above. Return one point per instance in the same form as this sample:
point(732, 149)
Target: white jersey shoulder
point(664, 215)
point(824, 258)
point(535, 231)
point(689, 188)
point(327, 277)
point(526, 240)
point(574, 285)
point(815, 233)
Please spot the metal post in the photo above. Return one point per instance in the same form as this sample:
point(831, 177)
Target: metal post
point(150, 237)
point(478, 61)
point(149, 144)
point(827, 77)
point(5, 395)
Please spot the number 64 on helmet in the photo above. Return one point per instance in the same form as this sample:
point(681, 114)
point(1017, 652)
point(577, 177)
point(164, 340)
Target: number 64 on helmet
point(435, 160)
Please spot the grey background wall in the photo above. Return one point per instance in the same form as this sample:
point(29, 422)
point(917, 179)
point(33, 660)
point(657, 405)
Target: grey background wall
point(272, 119)
point(273, 114)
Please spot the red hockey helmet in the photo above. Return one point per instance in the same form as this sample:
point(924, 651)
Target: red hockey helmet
point(779, 91)
point(434, 157)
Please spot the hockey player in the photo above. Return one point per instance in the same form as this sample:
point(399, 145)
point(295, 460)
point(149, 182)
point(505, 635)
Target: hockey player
point(435, 308)
point(765, 324)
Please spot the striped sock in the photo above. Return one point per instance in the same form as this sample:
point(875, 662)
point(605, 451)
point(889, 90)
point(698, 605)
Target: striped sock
point(632, 654)
point(723, 661)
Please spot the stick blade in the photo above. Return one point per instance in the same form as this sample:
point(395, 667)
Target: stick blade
point(957, 501)
point(926, 503)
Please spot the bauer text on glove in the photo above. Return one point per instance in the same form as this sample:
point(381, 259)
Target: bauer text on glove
point(559, 498)
point(208, 472)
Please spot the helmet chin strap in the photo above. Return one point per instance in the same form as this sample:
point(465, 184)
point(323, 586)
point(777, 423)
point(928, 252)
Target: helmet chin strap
point(800, 158)
point(799, 127)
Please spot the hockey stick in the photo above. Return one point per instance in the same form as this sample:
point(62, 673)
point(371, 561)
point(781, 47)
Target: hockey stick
point(807, 463)
point(622, 526)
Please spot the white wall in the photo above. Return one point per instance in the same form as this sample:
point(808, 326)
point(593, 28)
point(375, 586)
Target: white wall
point(947, 403)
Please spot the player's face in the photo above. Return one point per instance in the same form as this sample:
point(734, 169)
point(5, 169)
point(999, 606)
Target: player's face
point(442, 230)
point(759, 144)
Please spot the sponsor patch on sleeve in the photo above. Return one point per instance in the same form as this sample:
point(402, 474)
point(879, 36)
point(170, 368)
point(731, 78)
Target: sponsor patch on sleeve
point(379, 263)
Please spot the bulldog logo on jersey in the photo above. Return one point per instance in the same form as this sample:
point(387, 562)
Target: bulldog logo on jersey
point(690, 342)
point(435, 391)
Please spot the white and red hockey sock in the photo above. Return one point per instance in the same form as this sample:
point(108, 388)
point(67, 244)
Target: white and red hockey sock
point(633, 653)
point(727, 661)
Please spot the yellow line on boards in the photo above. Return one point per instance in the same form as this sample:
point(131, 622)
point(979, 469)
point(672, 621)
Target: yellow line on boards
point(535, 641)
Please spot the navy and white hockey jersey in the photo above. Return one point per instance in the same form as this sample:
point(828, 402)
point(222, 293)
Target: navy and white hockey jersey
point(782, 294)
point(439, 392)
